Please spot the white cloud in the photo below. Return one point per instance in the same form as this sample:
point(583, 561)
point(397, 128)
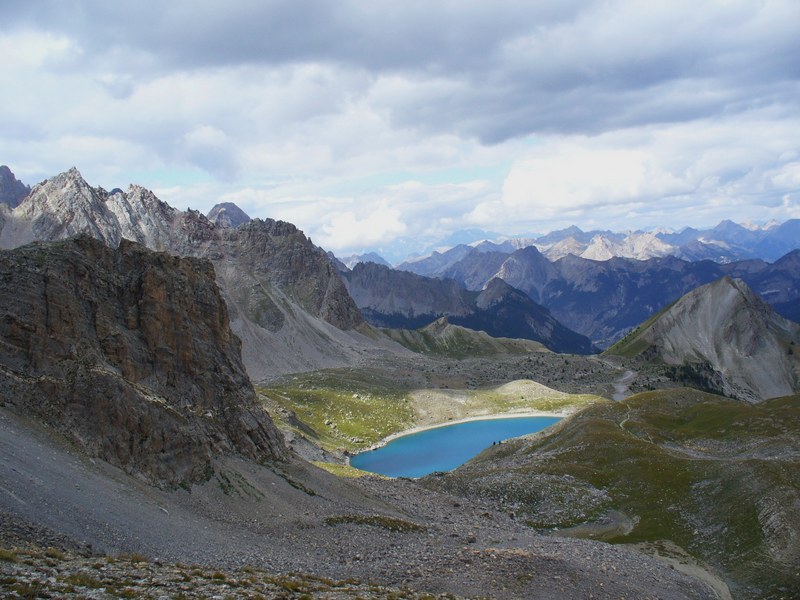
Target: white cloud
point(31, 49)
point(349, 230)
point(602, 112)
point(711, 169)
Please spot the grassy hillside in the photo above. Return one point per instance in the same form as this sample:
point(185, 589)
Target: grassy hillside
point(719, 478)
point(634, 343)
point(346, 409)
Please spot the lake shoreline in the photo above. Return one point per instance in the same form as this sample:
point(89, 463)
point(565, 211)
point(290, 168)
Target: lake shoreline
point(490, 417)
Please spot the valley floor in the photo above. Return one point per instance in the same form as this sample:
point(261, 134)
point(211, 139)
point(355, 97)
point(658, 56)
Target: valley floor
point(292, 517)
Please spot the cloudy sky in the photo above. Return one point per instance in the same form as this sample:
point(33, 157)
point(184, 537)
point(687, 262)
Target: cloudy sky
point(389, 126)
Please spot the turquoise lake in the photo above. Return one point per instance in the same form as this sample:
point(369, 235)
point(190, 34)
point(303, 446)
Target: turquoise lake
point(444, 448)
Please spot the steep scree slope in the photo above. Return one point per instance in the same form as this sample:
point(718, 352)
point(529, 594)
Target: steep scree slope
point(726, 327)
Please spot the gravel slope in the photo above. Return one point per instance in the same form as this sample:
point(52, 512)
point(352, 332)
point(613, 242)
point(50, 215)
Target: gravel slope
point(294, 517)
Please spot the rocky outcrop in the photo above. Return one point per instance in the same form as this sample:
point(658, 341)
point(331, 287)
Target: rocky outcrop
point(227, 214)
point(725, 328)
point(279, 286)
point(279, 254)
point(12, 191)
point(129, 353)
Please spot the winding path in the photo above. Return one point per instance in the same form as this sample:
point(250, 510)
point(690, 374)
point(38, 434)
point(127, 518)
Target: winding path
point(621, 386)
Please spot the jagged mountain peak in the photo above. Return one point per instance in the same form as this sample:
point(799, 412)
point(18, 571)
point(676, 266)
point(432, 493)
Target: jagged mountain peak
point(496, 290)
point(12, 191)
point(373, 257)
point(280, 287)
point(227, 214)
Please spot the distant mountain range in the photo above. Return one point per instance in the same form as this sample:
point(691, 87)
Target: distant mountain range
point(398, 299)
point(724, 243)
point(603, 300)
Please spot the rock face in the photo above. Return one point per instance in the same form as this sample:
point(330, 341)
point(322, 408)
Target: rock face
point(390, 298)
point(399, 299)
point(227, 214)
point(12, 192)
point(129, 353)
point(287, 302)
point(725, 327)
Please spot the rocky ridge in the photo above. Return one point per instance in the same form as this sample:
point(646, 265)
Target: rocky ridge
point(287, 302)
point(726, 242)
point(128, 353)
point(603, 300)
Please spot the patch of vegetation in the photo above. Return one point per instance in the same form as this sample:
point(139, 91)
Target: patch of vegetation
point(634, 344)
point(342, 409)
point(347, 409)
point(28, 590)
point(83, 580)
point(54, 553)
point(443, 339)
point(8, 555)
point(389, 523)
point(345, 471)
point(299, 486)
point(550, 402)
point(133, 557)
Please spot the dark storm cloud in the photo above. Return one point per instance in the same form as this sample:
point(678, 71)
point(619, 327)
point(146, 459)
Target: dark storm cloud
point(372, 35)
point(515, 68)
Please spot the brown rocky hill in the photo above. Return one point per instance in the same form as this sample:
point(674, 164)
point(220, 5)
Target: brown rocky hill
point(129, 354)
